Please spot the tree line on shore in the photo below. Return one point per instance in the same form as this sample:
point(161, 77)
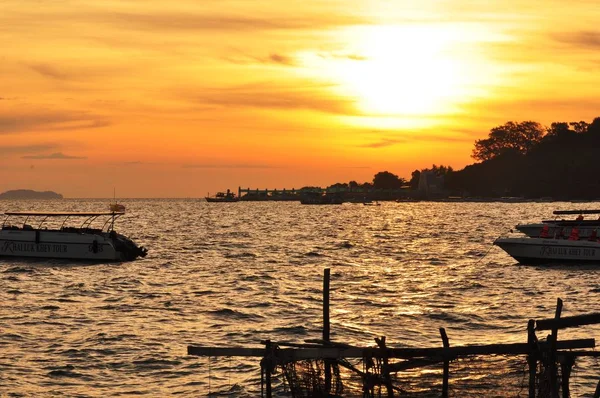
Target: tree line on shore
point(522, 159)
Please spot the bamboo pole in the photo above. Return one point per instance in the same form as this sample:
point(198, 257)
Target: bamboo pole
point(552, 354)
point(567, 322)
point(532, 357)
point(326, 326)
point(295, 354)
point(446, 364)
point(566, 366)
point(385, 370)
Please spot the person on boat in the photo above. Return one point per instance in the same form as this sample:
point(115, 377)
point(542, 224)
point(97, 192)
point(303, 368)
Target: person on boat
point(574, 234)
point(559, 233)
point(579, 218)
point(593, 235)
point(544, 233)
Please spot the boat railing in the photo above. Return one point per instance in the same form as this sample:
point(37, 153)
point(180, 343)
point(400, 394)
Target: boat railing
point(85, 227)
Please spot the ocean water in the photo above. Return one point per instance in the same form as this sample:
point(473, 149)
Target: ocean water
point(235, 274)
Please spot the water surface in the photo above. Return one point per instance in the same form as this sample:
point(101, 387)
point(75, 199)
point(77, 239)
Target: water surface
point(235, 274)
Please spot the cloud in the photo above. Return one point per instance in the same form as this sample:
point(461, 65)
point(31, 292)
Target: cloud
point(229, 166)
point(173, 21)
point(281, 59)
point(56, 156)
point(385, 142)
point(273, 58)
point(384, 139)
point(47, 121)
point(271, 96)
point(337, 55)
point(49, 71)
point(582, 39)
point(7, 150)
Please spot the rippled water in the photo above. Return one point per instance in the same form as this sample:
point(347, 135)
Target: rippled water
point(235, 274)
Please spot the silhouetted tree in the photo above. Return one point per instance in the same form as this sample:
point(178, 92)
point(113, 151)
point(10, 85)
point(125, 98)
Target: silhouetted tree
point(339, 185)
point(510, 137)
point(558, 131)
point(414, 179)
point(579, 127)
point(353, 184)
point(387, 180)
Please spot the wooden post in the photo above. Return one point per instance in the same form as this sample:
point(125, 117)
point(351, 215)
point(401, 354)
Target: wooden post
point(446, 364)
point(326, 327)
point(565, 368)
point(597, 392)
point(385, 370)
point(266, 365)
point(552, 353)
point(532, 356)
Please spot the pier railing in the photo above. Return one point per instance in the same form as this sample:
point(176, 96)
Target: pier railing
point(318, 368)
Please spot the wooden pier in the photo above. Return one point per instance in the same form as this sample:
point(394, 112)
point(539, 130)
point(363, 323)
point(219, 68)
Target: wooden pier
point(349, 194)
point(549, 362)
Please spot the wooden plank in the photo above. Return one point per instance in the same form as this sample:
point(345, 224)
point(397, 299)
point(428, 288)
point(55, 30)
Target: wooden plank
point(568, 322)
point(293, 354)
point(576, 212)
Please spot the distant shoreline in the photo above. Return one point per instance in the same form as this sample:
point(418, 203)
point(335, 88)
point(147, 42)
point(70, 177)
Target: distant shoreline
point(22, 194)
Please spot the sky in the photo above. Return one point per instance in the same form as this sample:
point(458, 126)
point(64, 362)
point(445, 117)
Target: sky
point(154, 98)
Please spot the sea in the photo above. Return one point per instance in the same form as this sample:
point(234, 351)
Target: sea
point(236, 274)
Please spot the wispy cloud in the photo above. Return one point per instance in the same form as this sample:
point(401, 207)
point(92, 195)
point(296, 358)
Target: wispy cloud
point(8, 150)
point(582, 39)
point(49, 71)
point(46, 121)
point(56, 156)
point(273, 58)
point(271, 96)
point(174, 21)
point(385, 142)
point(229, 166)
point(281, 59)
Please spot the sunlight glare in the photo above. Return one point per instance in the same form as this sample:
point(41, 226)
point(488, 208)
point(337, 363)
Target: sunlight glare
point(403, 70)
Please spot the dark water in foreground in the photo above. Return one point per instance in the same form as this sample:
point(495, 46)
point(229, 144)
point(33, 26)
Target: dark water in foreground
point(234, 274)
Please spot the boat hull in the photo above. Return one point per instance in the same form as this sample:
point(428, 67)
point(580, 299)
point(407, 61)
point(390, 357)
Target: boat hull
point(221, 200)
point(100, 247)
point(543, 251)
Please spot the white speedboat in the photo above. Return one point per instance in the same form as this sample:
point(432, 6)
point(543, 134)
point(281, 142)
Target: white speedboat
point(558, 228)
point(541, 250)
point(51, 239)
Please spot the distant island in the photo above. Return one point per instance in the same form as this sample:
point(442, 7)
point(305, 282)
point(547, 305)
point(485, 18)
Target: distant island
point(29, 194)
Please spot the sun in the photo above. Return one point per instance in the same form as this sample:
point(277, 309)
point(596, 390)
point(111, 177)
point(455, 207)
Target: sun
point(402, 70)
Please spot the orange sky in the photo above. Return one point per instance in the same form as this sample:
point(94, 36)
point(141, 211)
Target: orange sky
point(180, 98)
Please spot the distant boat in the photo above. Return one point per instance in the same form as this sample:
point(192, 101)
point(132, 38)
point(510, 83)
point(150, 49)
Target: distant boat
point(223, 197)
point(116, 207)
point(68, 243)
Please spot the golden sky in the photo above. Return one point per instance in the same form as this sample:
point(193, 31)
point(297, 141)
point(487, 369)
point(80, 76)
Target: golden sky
point(179, 98)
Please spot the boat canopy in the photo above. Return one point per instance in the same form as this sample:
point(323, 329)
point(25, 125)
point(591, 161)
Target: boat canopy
point(576, 212)
point(90, 216)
